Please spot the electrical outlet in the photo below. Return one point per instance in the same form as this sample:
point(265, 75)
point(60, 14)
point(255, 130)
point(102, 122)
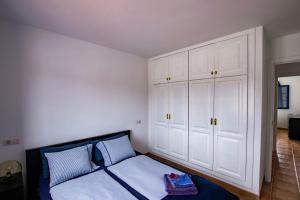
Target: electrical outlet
point(15, 141)
point(12, 141)
point(6, 142)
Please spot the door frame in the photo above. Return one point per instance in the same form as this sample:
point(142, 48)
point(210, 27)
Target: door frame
point(272, 110)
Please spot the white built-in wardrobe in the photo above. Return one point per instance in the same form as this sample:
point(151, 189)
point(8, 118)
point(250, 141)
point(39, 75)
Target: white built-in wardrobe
point(202, 107)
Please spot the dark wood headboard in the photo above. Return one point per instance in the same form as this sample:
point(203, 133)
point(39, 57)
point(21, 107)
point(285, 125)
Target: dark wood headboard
point(34, 162)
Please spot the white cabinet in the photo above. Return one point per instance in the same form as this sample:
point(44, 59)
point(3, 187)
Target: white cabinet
point(231, 57)
point(178, 122)
point(201, 98)
point(170, 69)
point(178, 67)
point(170, 119)
point(201, 62)
point(160, 70)
point(160, 137)
point(222, 59)
point(230, 132)
point(203, 107)
point(218, 124)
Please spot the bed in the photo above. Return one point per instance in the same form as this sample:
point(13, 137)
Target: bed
point(126, 176)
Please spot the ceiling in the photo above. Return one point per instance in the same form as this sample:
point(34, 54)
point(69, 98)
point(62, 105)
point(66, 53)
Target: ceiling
point(151, 27)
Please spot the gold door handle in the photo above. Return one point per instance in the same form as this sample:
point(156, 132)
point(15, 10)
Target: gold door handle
point(216, 72)
point(211, 121)
point(168, 116)
point(215, 121)
point(167, 78)
point(212, 72)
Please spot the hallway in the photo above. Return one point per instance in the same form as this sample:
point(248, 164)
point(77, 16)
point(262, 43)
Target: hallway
point(286, 168)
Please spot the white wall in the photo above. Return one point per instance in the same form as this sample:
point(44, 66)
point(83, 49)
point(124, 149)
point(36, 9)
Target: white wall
point(282, 114)
point(10, 93)
point(55, 88)
point(285, 47)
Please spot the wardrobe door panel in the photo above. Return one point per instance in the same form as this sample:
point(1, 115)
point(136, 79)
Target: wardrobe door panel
point(201, 62)
point(228, 160)
point(178, 123)
point(160, 70)
point(200, 127)
point(160, 133)
point(178, 67)
point(231, 57)
point(230, 131)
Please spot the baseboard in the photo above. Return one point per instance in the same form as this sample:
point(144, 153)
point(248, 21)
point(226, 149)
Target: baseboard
point(284, 129)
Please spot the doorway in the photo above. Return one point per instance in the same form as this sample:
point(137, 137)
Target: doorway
point(286, 147)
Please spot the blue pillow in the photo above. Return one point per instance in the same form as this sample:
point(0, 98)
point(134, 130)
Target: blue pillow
point(44, 150)
point(115, 150)
point(68, 164)
point(97, 155)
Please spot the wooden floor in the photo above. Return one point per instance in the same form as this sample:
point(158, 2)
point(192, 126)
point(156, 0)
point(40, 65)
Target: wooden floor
point(286, 168)
point(285, 179)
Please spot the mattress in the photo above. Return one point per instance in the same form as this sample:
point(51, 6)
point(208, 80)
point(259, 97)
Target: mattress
point(207, 190)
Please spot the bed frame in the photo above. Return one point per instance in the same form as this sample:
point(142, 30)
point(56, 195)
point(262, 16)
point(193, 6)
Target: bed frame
point(34, 163)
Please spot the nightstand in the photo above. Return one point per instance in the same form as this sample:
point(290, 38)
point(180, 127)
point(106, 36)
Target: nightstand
point(13, 190)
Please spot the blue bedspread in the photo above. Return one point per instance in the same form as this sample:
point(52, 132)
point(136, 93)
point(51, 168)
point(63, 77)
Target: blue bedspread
point(207, 190)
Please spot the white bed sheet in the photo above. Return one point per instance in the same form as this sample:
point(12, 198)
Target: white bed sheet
point(94, 186)
point(144, 174)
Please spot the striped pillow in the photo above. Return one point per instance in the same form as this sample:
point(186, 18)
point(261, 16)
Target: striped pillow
point(43, 150)
point(68, 164)
point(115, 150)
